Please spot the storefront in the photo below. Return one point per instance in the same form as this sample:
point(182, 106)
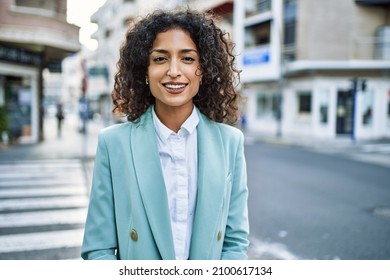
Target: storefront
point(320, 107)
point(19, 94)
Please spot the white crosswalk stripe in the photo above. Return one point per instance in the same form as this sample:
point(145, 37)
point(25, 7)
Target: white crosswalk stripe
point(40, 241)
point(43, 207)
point(376, 148)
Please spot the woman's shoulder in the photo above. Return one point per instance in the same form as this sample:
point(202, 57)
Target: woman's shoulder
point(231, 131)
point(115, 130)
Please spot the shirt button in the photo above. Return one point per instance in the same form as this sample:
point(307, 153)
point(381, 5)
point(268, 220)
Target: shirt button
point(134, 235)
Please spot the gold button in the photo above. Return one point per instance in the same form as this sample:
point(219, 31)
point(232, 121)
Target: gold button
point(134, 235)
point(219, 235)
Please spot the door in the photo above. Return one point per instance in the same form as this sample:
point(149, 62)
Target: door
point(344, 113)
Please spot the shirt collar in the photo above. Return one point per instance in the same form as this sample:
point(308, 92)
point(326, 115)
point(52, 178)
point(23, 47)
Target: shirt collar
point(164, 132)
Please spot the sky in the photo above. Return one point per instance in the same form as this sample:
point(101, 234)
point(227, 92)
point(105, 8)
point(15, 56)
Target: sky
point(79, 13)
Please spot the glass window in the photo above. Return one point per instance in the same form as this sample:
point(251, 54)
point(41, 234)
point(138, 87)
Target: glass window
point(388, 110)
point(268, 105)
point(254, 7)
point(304, 103)
point(290, 11)
point(40, 4)
point(289, 33)
point(324, 106)
point(262, 101)
point(108, 33)
point(368, 103)
point(18, 97)
point(258, 34)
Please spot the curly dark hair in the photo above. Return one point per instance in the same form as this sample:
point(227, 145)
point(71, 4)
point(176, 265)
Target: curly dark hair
point(217, 98)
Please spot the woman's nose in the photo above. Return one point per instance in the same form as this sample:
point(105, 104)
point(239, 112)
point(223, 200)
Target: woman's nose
point(174, 69)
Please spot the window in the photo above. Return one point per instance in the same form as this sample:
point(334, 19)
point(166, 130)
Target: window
point(108, 33)
point(127, 22)
point(304, 103)
point(290, 7)
point(383, 43)
point(388, 110)
point(368, 102)
point(40, 4)
point(324, 106)
point(268, 105)
point(258, 34)
point(262, 105)
point(254, 7)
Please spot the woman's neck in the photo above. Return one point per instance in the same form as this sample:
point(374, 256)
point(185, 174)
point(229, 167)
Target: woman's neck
point(172, 117)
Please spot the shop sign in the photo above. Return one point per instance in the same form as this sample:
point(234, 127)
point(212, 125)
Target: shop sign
point(256, 56)
point(18, 55)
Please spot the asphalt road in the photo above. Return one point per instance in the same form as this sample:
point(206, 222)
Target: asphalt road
point(309, 205)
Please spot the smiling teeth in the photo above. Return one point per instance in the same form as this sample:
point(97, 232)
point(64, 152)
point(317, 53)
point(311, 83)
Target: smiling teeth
point(175, 86)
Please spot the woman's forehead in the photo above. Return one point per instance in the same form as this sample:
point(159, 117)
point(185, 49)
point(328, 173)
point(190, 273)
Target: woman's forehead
point(174, 38)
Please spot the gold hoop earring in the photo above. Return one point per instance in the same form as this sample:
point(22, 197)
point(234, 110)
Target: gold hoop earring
point(146, 80)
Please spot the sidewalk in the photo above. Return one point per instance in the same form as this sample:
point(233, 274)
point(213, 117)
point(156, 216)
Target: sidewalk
point(369, 151)
point(70, 145)
point(75, 145)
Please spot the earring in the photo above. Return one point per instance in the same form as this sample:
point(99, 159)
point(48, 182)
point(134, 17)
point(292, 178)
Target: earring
point(146, 80)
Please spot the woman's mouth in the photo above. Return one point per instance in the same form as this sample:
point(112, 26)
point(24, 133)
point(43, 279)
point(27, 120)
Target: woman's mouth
point(174, 88)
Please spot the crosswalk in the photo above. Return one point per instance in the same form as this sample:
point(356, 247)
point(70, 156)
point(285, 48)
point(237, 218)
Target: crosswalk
point(378, 154)
point(43, 206)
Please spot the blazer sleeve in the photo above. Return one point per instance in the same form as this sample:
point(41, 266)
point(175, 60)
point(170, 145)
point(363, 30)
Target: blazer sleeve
point(236, 242)
point(100, 235)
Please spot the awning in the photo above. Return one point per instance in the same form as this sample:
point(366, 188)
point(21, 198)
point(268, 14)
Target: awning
point(373, 2)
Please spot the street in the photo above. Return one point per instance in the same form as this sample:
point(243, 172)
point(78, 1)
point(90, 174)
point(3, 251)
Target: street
point(324, 202)
point(311, 205)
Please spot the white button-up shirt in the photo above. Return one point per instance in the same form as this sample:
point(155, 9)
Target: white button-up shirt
point(179, 162)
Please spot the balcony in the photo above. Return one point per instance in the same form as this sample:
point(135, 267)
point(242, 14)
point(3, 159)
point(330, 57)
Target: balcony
point(38, 30)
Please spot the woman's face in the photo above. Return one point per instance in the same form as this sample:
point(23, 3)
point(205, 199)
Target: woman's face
point(173, 73)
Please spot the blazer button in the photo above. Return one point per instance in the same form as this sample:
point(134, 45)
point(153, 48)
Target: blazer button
point(219, 235)
point(134, 235)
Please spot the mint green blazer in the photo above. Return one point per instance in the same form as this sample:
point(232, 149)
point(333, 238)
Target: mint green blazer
point(128, 215)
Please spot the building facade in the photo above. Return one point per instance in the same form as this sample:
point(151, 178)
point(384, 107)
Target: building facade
point(318, 69)
point(34, 35)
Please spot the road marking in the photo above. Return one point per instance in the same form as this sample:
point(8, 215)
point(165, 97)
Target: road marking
point(26, 192)
point(40, 203)
point(376, 148)
point(51, 182)
point(372, 158)
point(41, 193)
point(41, 241)
point(38, 174)
point(265, 250)
point(40, 218)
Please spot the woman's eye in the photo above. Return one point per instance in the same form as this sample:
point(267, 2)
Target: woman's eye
point(159, 59)
point(188, 59)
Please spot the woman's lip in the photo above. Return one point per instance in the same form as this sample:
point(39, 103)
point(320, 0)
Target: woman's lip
point(175, 90)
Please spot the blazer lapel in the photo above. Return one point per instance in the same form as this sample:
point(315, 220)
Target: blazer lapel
point(151, 184)
point(211, 183)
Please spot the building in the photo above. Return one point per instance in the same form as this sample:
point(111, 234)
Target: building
point(34, 35)
point(315, 69)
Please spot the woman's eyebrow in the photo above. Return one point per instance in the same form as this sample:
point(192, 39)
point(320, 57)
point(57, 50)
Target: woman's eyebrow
point(167, 52)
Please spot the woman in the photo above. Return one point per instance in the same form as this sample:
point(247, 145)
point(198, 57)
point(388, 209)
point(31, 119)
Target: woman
point(171, 182)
